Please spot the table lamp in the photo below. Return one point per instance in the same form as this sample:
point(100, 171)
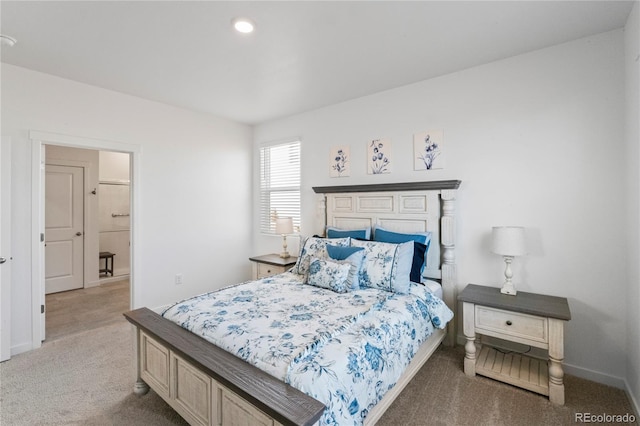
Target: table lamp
point(508, 241)
point(284, 226)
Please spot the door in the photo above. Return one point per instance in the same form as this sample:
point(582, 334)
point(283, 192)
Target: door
point(64, 228)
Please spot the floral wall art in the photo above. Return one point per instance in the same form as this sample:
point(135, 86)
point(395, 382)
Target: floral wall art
point(379, 156)
point(340, 161)
point(427, 148)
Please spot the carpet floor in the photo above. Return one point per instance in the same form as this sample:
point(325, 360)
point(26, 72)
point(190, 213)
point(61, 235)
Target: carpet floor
point(87, 379)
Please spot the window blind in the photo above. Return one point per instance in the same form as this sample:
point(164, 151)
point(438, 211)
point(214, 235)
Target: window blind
point(279, 184)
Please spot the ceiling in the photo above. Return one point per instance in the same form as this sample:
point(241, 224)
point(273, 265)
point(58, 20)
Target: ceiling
point(302, 56)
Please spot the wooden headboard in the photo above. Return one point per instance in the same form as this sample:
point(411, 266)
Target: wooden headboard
point(404, 207)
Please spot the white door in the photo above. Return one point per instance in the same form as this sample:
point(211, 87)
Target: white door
point(64, 228)
point(5, 248)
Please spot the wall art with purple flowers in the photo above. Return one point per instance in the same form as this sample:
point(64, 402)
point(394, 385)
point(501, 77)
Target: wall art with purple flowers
point(340, 161)
point(379, 156)
point(427, 149)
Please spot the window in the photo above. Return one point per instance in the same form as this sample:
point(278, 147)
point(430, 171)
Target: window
point(279, 184)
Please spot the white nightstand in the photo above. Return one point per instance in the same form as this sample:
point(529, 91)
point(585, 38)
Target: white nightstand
point(271, 264)
point(528, 318)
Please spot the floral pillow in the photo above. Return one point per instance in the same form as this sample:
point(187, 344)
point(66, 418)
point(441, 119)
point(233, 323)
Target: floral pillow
point(351, 255)
point(421, 240)
point(315, 247)
point(328, 274)
point(386, 266)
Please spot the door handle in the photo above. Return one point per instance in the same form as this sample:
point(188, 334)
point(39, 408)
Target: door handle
point(2, 260)
point(78, 233)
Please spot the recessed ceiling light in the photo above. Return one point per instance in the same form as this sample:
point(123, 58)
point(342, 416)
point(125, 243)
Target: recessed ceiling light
point(5, 40)
point(243, 25)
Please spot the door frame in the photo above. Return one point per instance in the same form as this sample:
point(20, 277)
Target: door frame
point(38, 140)
point(5, 248)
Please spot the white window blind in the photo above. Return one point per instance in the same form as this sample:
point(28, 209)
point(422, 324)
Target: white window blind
point(279, 184)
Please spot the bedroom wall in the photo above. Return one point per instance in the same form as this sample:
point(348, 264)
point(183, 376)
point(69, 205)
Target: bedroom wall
point(189, 221)
point(632, 91)
point(538, 141)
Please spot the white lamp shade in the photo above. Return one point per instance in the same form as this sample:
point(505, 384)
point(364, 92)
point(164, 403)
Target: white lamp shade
point(284, 225)
point(508, 241)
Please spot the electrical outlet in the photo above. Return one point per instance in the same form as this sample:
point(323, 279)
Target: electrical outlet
point(178, 279)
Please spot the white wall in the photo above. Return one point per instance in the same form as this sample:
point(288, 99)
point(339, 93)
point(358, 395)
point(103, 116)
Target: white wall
point(191, 220)
point(538, 141)
point(632, 91)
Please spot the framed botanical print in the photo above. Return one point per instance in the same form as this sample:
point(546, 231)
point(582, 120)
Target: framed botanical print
point(379, 156)
point(427, 150)
point(340, 161)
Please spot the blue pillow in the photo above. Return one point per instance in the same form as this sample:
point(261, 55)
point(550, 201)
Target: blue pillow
point(351, 255)
point(421, 241)
point(341, 253)
point(360, 234)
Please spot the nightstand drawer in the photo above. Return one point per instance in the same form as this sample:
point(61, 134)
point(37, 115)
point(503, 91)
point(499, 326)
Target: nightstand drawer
point(266, 270)
point(270, 264)
point(497, 322)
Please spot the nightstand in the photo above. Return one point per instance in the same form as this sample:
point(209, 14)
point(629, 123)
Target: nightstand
point(528, 318)
point(271, 264)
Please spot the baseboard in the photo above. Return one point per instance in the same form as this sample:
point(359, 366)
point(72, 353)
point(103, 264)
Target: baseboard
point(106, 280)
point(596, 376)
point(18, 349)
point(92, 284)
point(634, 400)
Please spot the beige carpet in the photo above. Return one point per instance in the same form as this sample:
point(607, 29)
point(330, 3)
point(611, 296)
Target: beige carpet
point(87, 379)
point(441, 394)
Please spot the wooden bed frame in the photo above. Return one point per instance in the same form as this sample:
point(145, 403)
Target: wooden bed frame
point(209, 386)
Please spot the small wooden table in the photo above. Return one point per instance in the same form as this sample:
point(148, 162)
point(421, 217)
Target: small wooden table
point(527, 318)
point(271, 264)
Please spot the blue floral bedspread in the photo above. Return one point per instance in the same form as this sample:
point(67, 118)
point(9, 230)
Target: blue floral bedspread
point(344, 349)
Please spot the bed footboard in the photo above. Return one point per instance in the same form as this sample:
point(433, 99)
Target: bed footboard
point(209, 386)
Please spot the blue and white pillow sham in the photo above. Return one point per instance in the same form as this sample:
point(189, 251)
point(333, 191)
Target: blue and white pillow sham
point(421, 240)
point(386, 266)
point(315, 247)
point(327, 274)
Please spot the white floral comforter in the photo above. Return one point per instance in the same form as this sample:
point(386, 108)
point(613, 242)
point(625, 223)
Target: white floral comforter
point(344, 349)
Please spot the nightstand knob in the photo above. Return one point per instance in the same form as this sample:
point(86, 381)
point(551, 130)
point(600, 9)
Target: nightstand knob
point(509, 323)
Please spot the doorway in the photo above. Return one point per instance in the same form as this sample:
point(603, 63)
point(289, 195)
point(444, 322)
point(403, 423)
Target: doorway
point(85, 220)
point(40, 142)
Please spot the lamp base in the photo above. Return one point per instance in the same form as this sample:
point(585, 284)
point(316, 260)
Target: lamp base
point(509, 289)
point(284, 253)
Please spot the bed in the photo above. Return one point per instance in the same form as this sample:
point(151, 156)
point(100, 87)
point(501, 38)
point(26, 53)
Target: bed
point(303, 383)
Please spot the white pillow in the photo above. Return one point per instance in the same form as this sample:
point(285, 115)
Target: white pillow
point(386, 266)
